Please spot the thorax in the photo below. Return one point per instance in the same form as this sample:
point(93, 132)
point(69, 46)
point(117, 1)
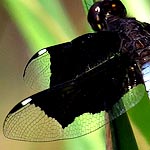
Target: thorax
point(135, 40)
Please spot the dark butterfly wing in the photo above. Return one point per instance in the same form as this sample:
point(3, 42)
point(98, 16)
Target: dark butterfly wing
point(60, 63)
point(77, 107)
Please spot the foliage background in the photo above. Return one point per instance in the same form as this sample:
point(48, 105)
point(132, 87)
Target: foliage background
point(29, 25)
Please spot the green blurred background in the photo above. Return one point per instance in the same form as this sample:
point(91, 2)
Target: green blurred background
point(29, 25)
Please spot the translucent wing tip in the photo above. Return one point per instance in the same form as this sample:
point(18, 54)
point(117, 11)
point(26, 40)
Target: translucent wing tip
point(36, 55)
point(37, 71)
point(30, 123)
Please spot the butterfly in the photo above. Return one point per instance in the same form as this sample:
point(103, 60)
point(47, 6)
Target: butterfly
point(96, 73)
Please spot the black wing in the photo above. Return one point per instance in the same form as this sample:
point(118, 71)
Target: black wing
point(75, 106)
point(72, 109)
point(60, 63)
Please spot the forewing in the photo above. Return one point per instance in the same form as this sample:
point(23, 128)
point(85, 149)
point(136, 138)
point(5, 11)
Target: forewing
point(60, 63)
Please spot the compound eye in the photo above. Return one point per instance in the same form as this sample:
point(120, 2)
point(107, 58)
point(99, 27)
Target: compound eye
point(100, 11)
point(95, 16)
point(117, 9)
